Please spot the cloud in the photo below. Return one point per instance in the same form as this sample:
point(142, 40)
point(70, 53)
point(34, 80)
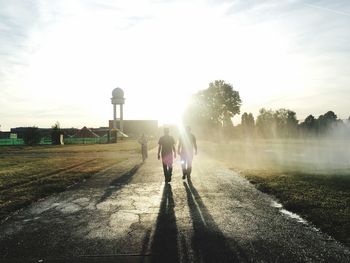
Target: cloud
point(17, 18)
point(128, 14)
point(335, 7)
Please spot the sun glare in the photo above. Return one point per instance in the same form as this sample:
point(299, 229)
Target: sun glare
point(171, 113)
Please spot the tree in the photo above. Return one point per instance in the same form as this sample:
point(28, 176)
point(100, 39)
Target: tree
point(247, 120)
point(265, 123)
point(56, 133)
point(214, 107)
point(326, 121)
point(225, 102)
point(248, 124)
point(32, 136)
point(279, 123)
point(286, 123)
point(309, 126)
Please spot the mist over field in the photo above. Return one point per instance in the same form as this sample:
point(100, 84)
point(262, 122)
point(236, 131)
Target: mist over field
point(308, 175)
point(326, 155)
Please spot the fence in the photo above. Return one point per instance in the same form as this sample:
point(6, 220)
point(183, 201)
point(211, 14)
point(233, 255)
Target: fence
point(11, 141)
point(85, 140)
point(47, 141)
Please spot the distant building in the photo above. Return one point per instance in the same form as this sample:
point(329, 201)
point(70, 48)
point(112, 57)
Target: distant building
point(44, 132)
point(5, 135)
point(134, 128)
point(69, 132)
point(102, 131)
point(85, 133)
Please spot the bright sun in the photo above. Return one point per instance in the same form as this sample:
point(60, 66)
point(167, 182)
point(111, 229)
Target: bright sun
point(171, 112)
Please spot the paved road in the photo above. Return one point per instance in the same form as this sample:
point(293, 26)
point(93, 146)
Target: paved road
point(127, 214)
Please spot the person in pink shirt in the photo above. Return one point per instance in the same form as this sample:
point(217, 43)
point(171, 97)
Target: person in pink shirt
point(166, 150)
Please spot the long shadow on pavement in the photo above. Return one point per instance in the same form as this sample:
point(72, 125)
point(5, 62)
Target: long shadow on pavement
point(164, 245)
point(208, 242)
point(122, 180)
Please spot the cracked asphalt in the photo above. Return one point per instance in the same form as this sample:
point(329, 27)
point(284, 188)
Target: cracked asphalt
point(126, 213)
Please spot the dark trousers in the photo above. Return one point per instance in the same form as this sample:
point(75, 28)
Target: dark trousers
point(186, 163)
point(168, 170)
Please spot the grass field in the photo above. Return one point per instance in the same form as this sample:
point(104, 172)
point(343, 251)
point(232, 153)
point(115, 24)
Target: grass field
point(309, 178)
point(316, 187)
point(30, 173)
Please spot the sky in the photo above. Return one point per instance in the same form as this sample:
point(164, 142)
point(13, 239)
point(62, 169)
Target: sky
point(61, 59)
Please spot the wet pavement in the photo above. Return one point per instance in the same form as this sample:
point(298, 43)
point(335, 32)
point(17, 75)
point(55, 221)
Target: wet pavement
point(126, 213)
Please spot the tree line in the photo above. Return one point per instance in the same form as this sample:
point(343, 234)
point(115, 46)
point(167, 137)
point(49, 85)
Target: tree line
point(32, 135)
point(210, 114)
point(283, 123)
point(211, 110)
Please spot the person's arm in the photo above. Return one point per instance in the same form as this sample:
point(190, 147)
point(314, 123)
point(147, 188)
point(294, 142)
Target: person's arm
point(159, 147)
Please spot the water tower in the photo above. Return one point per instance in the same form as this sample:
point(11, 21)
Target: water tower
point(118, 99)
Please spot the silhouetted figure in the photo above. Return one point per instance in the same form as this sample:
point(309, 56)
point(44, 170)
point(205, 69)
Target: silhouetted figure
point(166, 149)
point(186, 148)
point(144, 151)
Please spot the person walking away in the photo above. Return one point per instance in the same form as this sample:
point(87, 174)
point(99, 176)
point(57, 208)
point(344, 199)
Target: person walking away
point(166, 150)
point(186, 148)
point(144, 151)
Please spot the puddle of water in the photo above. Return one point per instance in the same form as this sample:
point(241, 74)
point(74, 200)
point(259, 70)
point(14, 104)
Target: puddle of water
point(288, 213)
point(42, 207)
point(275, 204)
point(83, 201)
point(68, 208)
point(292, 215)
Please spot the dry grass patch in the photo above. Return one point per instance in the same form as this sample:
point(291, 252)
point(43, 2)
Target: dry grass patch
point(30, 173)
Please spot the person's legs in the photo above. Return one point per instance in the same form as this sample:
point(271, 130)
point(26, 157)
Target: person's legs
point(184, 165)
point(170, 169)
point(189, 165)
point(165, 171)
point(184, 169)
